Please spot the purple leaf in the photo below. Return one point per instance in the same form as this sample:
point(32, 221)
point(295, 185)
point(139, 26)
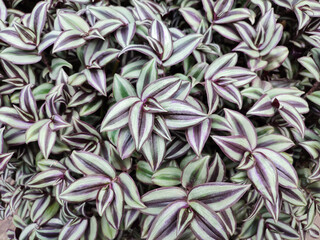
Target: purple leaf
point(263, 107)
point(72, 21)
point(219, 196)
point(154, 150)
point(292, 117)
point(265, 177)
point(4, 159)
point(11, 37)
point(227, 60)
point(195, 172)
point(182, 48)
point(114, 212)
point(46, 139)
point(148, 74)
point(161, 128)
point(130, 191)
point(46, 178)
point(107, 26)
point(104, 199)
point(161, 89)
point(287, 175)
point(84, 189)
point(275, 142)
point(192, 17)
point(146, 50)
point(10, 117)
point(160, 32)
point(68, 40)
point(125, 34)
point(234, 15)
point(92, 164)
point(164, 224)
point(73, 229)
point(156, 200)
point(38, 18)
point(198, 135)
point(118, 115)
point(140, 124)
point(19, 57)
point(181, 115)
point(206, 223)
point(125, 143)
point(217, 170)
point(97, 79)
point(3, 11)
point(232, 146)
point(242, 126)
point(27, 102)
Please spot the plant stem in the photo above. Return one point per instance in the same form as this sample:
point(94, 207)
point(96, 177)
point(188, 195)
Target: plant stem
point(46, 62)
point(314, 88)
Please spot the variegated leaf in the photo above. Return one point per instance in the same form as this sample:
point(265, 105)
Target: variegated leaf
point(148, 74)
point(161, 89)
point(97, 79)
point(118, 115)
point(182, 48)
point(198, 135)
point(195, 172)
point(122, 88)
point(67, 40)
point(140, 124)
point(264, 176)
point(242, 126)
point(206, 223)
point(46, 178)
point(19, 57)
point(84, 189)
point(154, 150)
point(164, 225)
point(181, 115)
point(114, 212)
point(73, 230)
point(232, 146)
point(287, 175)
point(46, 139)
point(130, 191)
point(92, 164)
point(156, 200)
point(219, 196)
point(160, 32)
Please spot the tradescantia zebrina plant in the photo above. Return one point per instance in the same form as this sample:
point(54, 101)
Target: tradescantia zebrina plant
point(160, 119)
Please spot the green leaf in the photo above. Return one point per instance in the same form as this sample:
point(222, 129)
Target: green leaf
point(144, 172)
point(196, 172)
point(167, 177)
point(33, 132)
point(314, 97)
point(148, 74)
point(122, 88)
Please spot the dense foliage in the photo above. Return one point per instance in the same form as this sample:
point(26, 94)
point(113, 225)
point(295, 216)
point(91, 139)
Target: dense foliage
point(176, 119)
